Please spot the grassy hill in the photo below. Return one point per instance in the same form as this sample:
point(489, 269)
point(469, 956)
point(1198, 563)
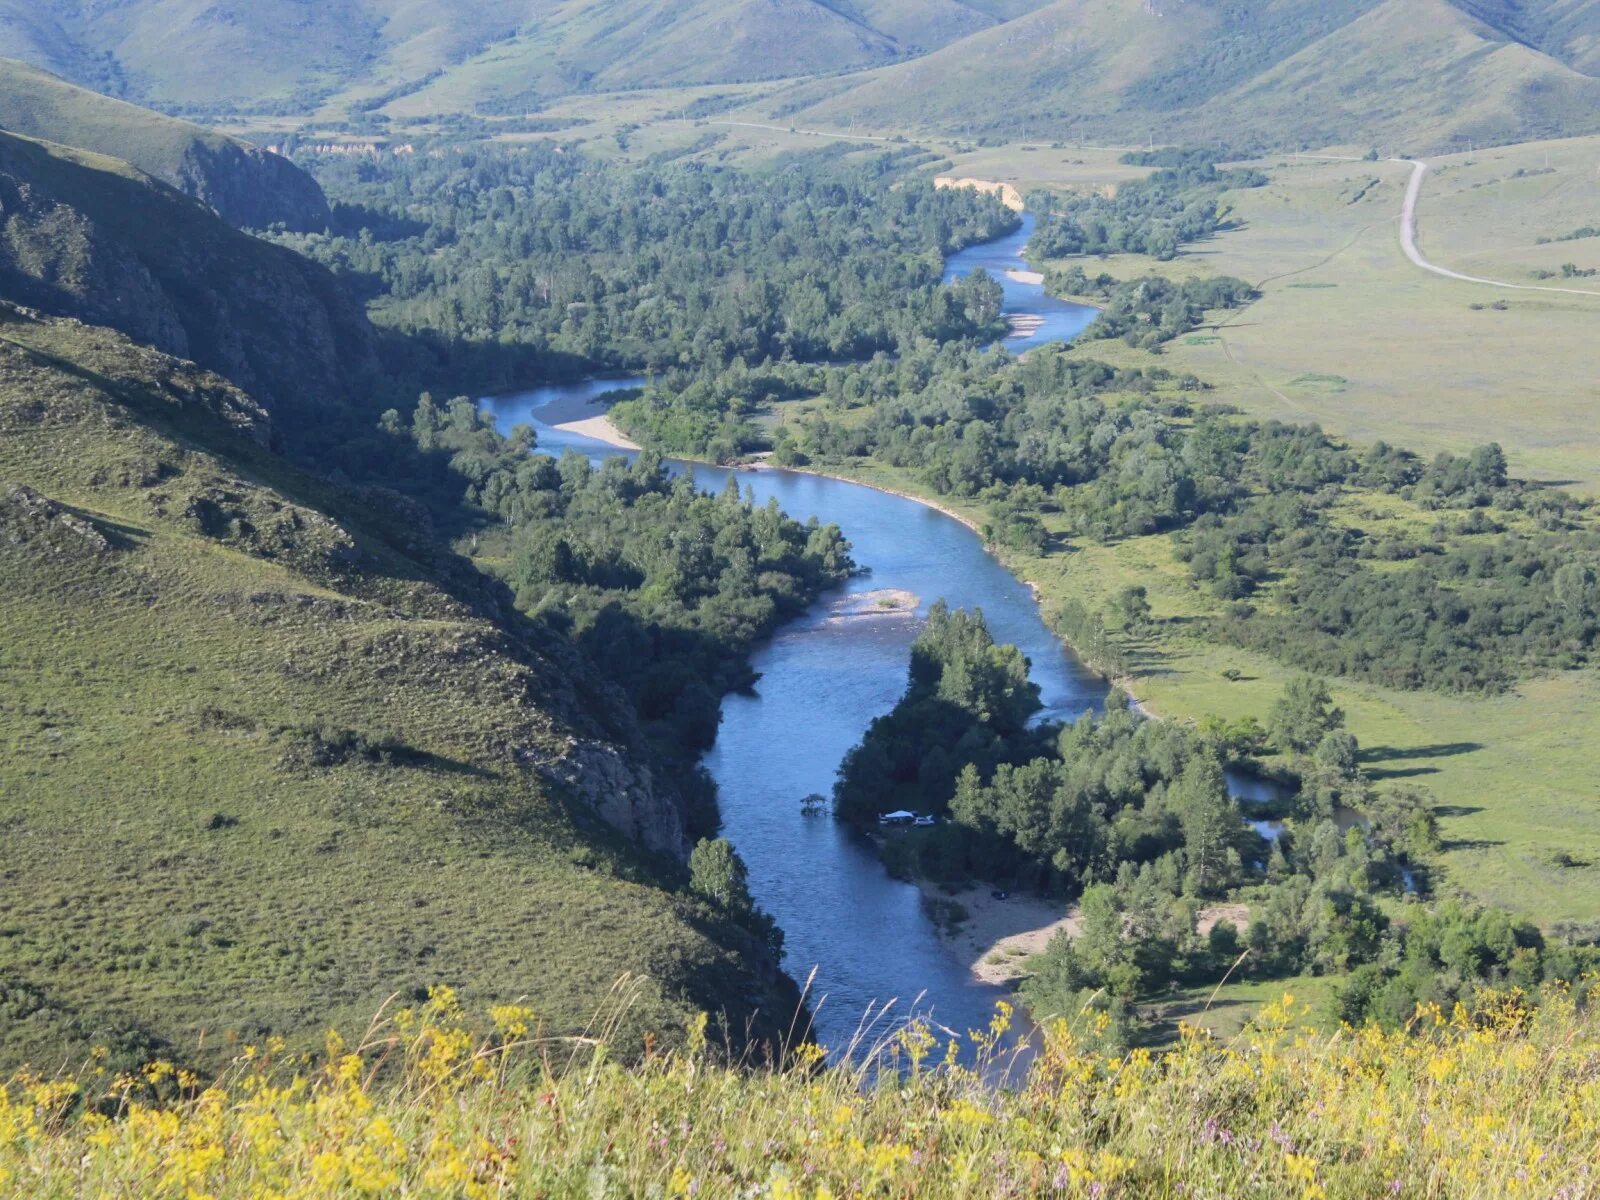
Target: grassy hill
point(87, 236)
point(1428, 74)
point(274, 54)
point(1418, 73)
point(243, 184)
point(270, 756)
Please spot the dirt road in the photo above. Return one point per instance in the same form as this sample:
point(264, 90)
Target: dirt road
point(1408, 242)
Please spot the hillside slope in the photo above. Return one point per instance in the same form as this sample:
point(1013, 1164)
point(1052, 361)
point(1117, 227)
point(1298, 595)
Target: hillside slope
point(245, 185)
point(258, 55)
point(1272, 73)
point(271, 757)
point(89, 237)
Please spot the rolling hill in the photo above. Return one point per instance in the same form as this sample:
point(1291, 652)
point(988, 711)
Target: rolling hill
point(89, 237)
point(243, 184)
point(271, 755)
point(272, 751)
point(1264, 73)
point(1271, 73)
point(278, 55)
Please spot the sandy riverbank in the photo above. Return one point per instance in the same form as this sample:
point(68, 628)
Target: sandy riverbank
point(1019, 276)
point(598, 428)
point(586, 416)
point(1009, 196)
point(997, 937)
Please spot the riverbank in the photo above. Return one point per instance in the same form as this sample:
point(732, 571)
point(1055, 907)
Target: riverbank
point(991, 938)
point(925, 501)
point(994, 938)
point(587, 417)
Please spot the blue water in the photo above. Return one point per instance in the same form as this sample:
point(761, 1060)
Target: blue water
point(1062, 319)
point(867, 937)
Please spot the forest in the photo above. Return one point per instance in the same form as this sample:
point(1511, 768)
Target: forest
point(666, 589)
point(1501, 585)
point(1133, 819)
point(505, 265)
point(1179, 203)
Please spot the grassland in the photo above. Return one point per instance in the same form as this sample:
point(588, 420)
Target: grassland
point(1424, 362)
point(1491, 1105)
point(262, 766)
point(1513, 774)
point(1350, 335)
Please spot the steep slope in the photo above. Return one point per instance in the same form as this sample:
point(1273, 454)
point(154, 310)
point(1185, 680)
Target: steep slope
point(271, 757)
point(244, 185)
point(258, 55)
point(89, 237)
point(1270, 72)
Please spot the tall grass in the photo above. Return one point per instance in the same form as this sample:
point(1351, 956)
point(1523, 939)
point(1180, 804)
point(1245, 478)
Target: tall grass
point(1501, 1101)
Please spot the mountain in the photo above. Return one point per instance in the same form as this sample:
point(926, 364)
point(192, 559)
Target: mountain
point(245, 185)
point(273, 749)
point(617, 44)
point(266, 55)
point(1268, 73)
point(89, 237)
point(271, 754)
point(1273, 73)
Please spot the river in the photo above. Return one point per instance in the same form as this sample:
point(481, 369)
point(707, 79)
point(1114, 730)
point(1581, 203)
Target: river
point(867, 936)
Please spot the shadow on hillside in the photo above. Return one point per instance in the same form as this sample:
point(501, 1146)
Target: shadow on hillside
point(1378, 754)
point(122, 537)
point(1456, 810)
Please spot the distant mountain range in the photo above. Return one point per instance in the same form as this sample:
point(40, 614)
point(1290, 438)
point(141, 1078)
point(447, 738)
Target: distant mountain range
point(259, 55)
point(1274, 72)
point(1423, 74)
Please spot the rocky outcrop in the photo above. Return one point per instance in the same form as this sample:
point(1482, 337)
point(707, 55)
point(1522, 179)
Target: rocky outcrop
point(89, 238)
point(37, 523)
point(623, 794)
point(250, 187)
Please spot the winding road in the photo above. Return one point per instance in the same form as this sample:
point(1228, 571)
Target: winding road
point(1408, 241)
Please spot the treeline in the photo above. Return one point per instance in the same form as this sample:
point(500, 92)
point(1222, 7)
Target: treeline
point(665, 588)
point(1505, 583)
point(1147, 312)
point(535, 261)
point(1058, 808)
point(1135, 819)
point(1177, 204)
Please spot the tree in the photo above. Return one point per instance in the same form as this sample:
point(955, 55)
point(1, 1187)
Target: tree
point(1209, 818)
point(1338, 756)
point(1133, 605)
point(718, 873)
point(1577, 588)
point(1303, 715)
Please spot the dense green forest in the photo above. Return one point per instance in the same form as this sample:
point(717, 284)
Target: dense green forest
point(1502, 586)
point(664, 588)
point(1133, 819)
point(525, 263)
point(1180, 203)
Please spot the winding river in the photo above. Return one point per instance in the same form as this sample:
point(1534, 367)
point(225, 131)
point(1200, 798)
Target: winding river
point(868, 938)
